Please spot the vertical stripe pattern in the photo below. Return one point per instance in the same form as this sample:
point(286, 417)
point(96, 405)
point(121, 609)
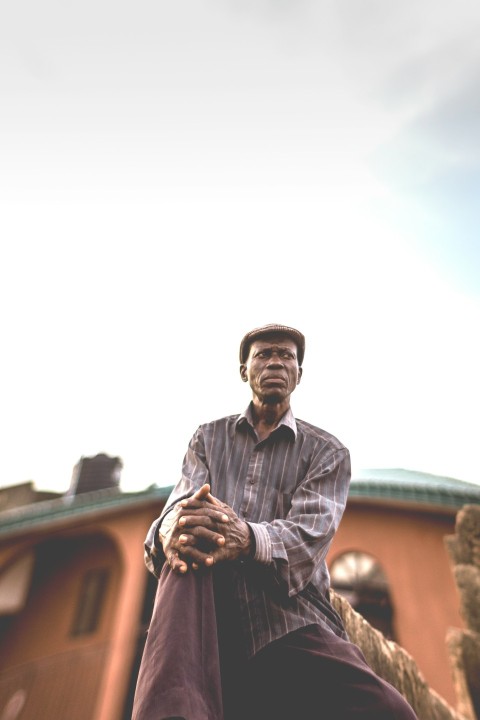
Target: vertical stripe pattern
point(291, 488)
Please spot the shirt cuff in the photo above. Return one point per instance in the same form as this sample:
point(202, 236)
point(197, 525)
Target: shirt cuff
point(263, 543)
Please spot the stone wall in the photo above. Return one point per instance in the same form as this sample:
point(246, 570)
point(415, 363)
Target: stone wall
point(394, 664)
point(464, 645)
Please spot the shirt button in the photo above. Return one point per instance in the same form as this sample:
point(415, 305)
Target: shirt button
point(252, 482)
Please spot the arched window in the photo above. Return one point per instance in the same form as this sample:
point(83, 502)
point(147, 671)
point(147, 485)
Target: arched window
point(360, 578)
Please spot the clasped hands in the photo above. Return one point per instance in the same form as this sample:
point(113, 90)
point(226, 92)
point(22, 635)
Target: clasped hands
point(204, 531)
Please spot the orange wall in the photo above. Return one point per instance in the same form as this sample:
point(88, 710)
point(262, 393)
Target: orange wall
point(86, 677)
point(409, 545)
point(128, 531)
point(39, 653)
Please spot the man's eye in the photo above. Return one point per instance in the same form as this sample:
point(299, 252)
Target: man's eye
point(287, 355)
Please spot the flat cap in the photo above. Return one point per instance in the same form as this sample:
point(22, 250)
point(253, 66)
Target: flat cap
point(295, 335)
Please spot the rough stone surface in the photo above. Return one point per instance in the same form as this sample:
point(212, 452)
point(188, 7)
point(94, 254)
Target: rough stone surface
point(464, 651)
point(395, 665)
point(464, 645)
point(464, 546)
point(467, 578)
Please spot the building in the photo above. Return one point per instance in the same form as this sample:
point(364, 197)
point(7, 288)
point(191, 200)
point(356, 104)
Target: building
point(389, 559)
point(75, 598)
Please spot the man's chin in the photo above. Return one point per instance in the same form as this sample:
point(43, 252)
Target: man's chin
point(273, 398)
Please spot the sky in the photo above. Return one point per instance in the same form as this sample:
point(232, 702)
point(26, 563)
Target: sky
point(173, 175)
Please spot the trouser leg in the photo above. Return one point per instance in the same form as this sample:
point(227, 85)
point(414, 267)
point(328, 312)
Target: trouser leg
point(236, 691)
point(311, 673)
point(179, 674)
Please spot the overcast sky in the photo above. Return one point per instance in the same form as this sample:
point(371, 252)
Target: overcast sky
point(174, 174)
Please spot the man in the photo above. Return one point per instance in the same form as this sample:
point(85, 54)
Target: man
point(242, 626)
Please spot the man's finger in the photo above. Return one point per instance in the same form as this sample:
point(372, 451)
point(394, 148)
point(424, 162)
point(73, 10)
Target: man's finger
point(203, 518)
point(213, 500)
point(185, 539)
point(194, 555)
point(203, 493)
point(177, 565)
point(201, 534)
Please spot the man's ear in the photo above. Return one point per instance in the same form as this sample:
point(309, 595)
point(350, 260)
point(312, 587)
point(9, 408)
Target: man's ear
point(300, 373)
point(243, 372)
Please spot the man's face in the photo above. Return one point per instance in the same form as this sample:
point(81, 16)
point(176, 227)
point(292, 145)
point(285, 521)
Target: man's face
point(272, 368)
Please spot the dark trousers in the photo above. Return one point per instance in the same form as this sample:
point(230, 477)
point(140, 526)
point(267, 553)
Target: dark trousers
point(310, 674)
point(194, 665)
point(179, 674)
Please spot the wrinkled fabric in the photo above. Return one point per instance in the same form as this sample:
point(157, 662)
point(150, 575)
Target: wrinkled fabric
point(179, 674)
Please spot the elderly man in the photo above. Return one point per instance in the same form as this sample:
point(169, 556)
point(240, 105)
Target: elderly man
point(242, 625)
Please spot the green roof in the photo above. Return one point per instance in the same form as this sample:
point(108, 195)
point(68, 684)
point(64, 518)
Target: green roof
point(410, 486)
point(68, 506)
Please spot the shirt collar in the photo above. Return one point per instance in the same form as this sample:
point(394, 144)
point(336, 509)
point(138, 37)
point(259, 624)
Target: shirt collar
point(287, 420)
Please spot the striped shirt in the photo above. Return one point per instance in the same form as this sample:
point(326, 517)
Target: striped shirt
point(291, 488)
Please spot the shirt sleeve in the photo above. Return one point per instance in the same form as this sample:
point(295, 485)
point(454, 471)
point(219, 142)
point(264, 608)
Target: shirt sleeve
point(296, 545)
point(195, 473)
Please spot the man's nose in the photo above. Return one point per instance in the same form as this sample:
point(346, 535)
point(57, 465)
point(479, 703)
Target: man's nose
point(275, 359)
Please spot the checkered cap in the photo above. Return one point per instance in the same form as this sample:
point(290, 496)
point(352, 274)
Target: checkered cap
point(295, 335)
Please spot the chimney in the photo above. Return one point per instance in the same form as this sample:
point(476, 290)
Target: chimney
point(101, 472)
